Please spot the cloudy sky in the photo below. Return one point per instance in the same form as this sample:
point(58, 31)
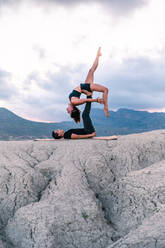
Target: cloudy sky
point(48, 46)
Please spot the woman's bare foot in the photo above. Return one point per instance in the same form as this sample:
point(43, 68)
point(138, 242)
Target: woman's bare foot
point(99, 52)
point(106, 111)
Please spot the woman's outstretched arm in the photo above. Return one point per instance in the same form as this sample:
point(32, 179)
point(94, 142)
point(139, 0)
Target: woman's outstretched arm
point(77, 102)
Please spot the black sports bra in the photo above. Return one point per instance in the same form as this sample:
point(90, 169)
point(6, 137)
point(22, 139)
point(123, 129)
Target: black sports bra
point(75, 93)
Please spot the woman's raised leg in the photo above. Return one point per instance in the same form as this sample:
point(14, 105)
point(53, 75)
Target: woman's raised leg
point(90, 77)
point(97, 87)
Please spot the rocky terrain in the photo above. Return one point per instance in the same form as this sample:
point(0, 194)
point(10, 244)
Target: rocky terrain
point(83, 193)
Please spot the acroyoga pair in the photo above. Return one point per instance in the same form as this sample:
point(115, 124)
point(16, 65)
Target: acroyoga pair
point(87, 88)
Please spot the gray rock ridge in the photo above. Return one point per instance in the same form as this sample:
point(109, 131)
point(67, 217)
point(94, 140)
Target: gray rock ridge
point(151, 233)
point(132, 199)
point(83, 193)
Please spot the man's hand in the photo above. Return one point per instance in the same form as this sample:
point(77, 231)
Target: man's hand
point(93, 134)
point(88, 93)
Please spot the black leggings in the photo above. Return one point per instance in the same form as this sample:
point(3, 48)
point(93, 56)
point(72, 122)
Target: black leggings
point(88, 126)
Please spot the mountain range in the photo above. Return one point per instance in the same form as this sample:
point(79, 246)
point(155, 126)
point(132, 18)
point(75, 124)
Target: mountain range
point(122, 121)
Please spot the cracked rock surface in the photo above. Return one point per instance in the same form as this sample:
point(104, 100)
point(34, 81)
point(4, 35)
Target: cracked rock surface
point(83, 193)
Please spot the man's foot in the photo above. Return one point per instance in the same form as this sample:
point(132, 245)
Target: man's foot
point(99, 52)
point(106, 111)
point(100, 100)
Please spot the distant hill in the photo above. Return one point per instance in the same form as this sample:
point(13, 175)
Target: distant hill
point(13, 127)
point(127, 121)
point(123, 121)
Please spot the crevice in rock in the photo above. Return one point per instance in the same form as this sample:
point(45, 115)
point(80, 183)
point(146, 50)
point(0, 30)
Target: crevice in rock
point(97, 198)
point(32, 232)
point(39, 196)
point(155, 242)
point(32, 165)
point(7, 243)
point(108, 166)
point(36, 161)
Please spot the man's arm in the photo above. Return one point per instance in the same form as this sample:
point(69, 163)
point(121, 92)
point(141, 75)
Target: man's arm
point(82, 136)
point(77, 102)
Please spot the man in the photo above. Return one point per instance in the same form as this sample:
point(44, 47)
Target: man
point(79, 133)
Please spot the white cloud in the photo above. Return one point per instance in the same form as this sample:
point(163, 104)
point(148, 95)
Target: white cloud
point(48, 52)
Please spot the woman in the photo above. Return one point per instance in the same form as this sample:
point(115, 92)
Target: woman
point(87, 88)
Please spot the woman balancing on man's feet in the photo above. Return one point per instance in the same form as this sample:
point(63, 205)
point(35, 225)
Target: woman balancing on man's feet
point(87, 88)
